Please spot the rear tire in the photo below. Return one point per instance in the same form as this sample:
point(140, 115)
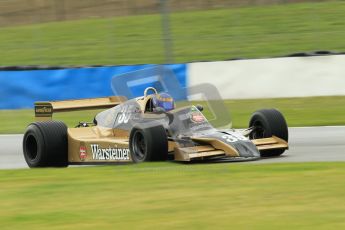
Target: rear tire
point(45, 144)
point(148, 144)
point(267, 123)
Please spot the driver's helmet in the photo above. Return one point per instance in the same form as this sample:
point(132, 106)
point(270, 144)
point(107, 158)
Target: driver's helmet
point(163, 100)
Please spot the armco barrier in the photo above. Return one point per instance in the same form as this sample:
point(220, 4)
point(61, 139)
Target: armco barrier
point(299, 76)
point(272, 78)
point(20, 89)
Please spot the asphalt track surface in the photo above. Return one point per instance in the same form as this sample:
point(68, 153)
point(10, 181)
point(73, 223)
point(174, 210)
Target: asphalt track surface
point(307, 144)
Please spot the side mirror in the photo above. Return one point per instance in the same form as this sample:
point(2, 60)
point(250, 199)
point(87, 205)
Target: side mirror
point(200, 107)
point(94, 121)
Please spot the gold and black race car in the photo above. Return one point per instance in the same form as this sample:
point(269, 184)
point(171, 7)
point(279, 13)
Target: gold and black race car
point(134, 131)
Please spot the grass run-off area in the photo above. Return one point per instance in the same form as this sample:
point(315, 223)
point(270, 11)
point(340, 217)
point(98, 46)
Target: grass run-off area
point(309, 111)
point(175, 196)
point(255, 31)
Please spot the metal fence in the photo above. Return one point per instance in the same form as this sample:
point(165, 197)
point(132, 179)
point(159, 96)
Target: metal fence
point(37, 44)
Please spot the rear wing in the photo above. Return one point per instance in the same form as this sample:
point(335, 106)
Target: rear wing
point(44, 110)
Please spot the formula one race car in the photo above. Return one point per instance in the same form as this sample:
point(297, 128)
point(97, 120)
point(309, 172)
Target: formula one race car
point(147, 128)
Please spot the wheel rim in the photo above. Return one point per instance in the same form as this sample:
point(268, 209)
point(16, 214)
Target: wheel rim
point(139, 146)
point(31, 147)
point(259, 131)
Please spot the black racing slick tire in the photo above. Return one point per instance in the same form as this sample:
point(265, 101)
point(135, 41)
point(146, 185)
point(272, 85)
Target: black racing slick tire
point(148, 144)
point(45, 144)
point(267, 123)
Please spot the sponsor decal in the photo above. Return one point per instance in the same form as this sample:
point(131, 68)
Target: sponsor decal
point(43, 110)
point(196, 116)
point(120, 154)
point(82, 153)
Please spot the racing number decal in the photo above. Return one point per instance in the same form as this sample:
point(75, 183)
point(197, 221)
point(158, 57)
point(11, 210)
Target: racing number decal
point(234, 137)
point(229, 138)
point(124, 115)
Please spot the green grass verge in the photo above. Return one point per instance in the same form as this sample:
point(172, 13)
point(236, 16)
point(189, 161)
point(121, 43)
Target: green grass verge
point(175, 196)
point(218, 34)
point(309, 111)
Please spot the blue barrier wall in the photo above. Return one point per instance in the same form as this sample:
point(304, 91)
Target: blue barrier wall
point(20, 89)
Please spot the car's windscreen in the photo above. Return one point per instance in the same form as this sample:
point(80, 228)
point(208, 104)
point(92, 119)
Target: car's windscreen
point(189, 121)
point(119, 116)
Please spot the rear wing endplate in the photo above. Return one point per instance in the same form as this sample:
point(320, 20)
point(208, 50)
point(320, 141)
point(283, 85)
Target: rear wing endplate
point(44, 110)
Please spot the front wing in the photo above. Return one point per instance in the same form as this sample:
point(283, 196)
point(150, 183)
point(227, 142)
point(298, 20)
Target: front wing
point(214, 148)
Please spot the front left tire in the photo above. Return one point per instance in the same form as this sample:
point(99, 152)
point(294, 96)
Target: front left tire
point(148, 143)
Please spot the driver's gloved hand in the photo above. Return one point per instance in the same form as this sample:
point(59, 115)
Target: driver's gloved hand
point(158, 110)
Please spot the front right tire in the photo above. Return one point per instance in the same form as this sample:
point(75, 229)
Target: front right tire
point(268, 123)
